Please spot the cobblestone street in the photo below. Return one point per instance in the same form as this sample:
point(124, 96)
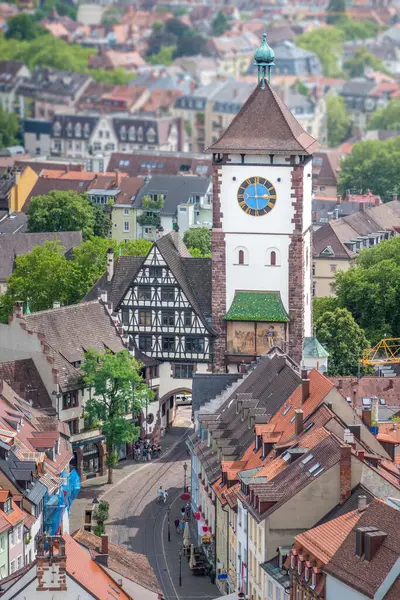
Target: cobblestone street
point(139, 523)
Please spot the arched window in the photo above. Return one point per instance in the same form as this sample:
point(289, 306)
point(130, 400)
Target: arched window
point(240, 256)
point(272, 257)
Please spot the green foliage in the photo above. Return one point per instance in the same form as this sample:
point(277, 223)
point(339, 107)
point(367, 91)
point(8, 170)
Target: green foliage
point(200, 239)
point(342, 337)
point(99, 530)
point(387, 118)
point(43, 276)
point(118, 76)
point(174, 33)
point(63, 9)
point(136, 247)
point(356, 30)
point(67, 211)
point(328, 46)
point(153, 220)
point(149, 203)
point(220, 24)
point(101, 512)
point(355, 66)
point(371, 290)
point(23, 27)
point(337, 8)
point(300, 88)
point(197, 253)
point(163, 57)
point(338, 120)
point(9, 128)
point(117, 389)
point(322, 305)
point(372, 165)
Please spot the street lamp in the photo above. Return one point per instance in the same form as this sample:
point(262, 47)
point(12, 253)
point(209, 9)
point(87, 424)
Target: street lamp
point(180, 567)
point(169, 530)
point(184, 477)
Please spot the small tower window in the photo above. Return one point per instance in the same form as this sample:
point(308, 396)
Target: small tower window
point(241, 257)
point(273, 258)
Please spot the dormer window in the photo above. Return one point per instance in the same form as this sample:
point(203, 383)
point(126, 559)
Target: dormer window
point(140, 134)
point(151, 135)
point(7, 506)
point(78, 130)
point(132, 133)
point(122, 133)
point(86, 130)
point(57, 128)
point(69, 129)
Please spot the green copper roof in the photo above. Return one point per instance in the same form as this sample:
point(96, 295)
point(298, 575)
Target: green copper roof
point(257, 306)
point(264, 54)
point(312, 348)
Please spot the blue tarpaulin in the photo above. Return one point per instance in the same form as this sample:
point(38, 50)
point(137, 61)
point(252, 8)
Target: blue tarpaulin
point(55, 504)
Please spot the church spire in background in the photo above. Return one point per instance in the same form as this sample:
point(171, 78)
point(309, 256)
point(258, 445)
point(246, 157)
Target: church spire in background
point(264, 57)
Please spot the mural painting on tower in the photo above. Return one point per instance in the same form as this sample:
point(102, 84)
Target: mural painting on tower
point(255, 338)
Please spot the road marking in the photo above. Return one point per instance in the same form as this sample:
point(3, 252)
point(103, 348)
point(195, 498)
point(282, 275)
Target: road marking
point(163, 547)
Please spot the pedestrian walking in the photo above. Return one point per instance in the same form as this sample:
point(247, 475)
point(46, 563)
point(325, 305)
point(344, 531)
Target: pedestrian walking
point(165, 496)
point(144, 454)
point(159, 450)
point(149, 454)
point(182, 525)
point(183, 512)
point(160, 494)
point(176, 523)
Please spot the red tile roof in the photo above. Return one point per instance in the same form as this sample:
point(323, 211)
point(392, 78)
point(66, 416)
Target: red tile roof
point(323, 541)
point(88, 573)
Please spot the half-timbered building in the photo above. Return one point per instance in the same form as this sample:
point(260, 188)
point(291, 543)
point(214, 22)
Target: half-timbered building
point(163, 301)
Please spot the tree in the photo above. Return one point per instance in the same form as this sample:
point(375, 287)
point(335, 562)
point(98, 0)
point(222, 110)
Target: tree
point(174, 33)
point(9, 128)
point(336, 9)
point(371, 290)
point(41, 277)
point(339, 333)
point(66, 211)
point(387, 118)
point(356, 30)
point(356, 65)
point(100, 515)
point(372, 165)
point(338, 120)
point(164, 56)
point(220, 24)
point(199, 238)
point(322, 305)
point(117, 390)
point(136, 247)
point(117, 76)
point(23, 27)
point(327, 44)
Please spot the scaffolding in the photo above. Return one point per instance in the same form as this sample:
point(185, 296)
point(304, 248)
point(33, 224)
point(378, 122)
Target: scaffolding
point(385, 352)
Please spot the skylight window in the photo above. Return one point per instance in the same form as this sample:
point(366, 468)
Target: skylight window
point(292, 419)
point(285, 412)
point(314, 468)
point(286, 457)
point(318, 472)
point(382, 401)
point(307, 459)
point(366, 401)
point(308, 426)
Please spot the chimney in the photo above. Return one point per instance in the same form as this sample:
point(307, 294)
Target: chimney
point(360, 538)
point(361, 503)
point(345, 473)
point(298, 421)
point(18, 309)
point(305, 390)
point(367, 417)
point(118, 178)
point(56, 304)
point(104, 296)
point(340, 384)
point(390, 384)
point(355, 430)
point(110, 264)
point(102, 558)
point(375, 406)
point(348, 437)
point(373, 541)
point(51, 564)
point(362, 206)
point(361, 454)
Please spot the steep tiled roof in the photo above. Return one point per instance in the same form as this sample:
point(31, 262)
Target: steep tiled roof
point(323, 541)
point(257, 306)
point(88, 573)
point(71, 330)
point(368, 387)
point(125, 269)
point(131, 565)
point(326, 237)
point(162, 163)
point(389, 432)
point(13, 245)
point(24, 378)
point(367, 576)
point(273, 128)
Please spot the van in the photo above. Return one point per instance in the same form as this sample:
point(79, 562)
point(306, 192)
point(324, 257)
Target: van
point(183, 399)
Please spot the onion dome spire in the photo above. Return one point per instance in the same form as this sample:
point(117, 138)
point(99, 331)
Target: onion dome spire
point(264, 59)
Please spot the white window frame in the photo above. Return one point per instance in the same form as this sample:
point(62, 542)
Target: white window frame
point(126, 211)
point(12, 566)
point(126, 227)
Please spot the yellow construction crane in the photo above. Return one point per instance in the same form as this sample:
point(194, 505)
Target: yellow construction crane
point(386, 352)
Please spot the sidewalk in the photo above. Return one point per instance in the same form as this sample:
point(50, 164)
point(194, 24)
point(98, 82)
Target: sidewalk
point(97, 487)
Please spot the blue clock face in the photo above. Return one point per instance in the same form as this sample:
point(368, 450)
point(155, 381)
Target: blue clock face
point(256, 196)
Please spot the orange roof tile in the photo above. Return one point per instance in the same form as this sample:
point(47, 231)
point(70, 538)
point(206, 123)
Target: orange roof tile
point(323, 541)
point(4, 495)
point(389, 432)
point(14, 517)
point(272, 468)
point(88, 573)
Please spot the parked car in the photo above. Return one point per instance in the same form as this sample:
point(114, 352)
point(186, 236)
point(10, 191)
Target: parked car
point(183, 399)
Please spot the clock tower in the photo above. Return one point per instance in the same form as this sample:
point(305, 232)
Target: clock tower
point(261, 238)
